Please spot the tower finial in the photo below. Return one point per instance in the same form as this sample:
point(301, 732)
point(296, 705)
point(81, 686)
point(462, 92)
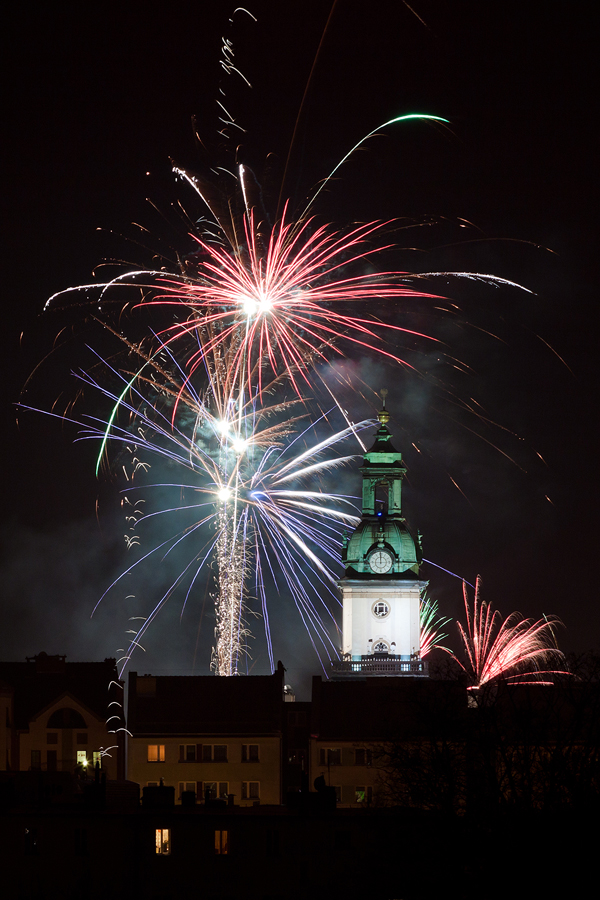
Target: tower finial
point(383, 415)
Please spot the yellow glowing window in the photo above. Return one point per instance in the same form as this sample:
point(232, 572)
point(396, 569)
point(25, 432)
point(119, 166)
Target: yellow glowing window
point(221, 843)
point(82, 758)
point(156, 752)
point(163, 841)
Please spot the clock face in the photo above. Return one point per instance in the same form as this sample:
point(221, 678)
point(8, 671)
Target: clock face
point(380, 562)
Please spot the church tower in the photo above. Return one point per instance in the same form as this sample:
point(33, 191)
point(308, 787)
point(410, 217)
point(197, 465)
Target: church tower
point(381, 587)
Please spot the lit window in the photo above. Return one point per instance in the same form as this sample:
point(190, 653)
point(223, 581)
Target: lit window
point(363, 794)
point(221, 843)
point(249, 752)
point(156, 752)
point(163, 841)
point(97, 758)
point(82, 758)
point(330, 756)
point(250, 790)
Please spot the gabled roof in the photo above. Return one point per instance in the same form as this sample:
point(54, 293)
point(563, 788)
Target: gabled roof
point(40, 681)
point(197, 705)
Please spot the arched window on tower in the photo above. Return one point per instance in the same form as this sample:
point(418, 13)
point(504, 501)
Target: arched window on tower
point(382, 491)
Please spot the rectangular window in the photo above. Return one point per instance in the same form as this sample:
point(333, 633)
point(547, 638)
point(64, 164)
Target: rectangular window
point(163, 841)
point(221, 843)
point(82, 737)
point(338, 792)
point(216, 789)
point(187, 786)
point(363, 794)
point(298, 757)
point(213, 752)
point(82, 758)
point(250, 790)
point(52, 737)
point(152, 783)
point(330, 756)
point(36, 759)
point(249, 752)
point(97, 758)
point(51, 760)
point(156, 752)
point(187, 753)
point(362, 757)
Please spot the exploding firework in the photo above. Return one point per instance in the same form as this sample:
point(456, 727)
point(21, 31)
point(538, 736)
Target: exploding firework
point(519, 650)
point(253, 489)
point(431, 627)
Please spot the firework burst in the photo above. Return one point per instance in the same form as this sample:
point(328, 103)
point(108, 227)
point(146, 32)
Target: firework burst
point(431, 627)
point(253, 489)
point(519, 650)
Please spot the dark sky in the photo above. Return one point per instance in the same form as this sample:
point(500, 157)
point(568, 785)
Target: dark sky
point(95, 100)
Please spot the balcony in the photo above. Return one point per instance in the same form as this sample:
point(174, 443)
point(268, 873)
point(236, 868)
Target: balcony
point(379, 665)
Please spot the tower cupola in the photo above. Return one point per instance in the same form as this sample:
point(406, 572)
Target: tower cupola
point(381, 588)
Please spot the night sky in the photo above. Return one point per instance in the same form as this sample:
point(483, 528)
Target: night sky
point(98, 103)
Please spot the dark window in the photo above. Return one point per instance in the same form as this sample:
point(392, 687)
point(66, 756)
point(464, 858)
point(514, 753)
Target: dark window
point(220, 753)
point(362, 757)
point(52, 737)
point(82, 738)
point(206, 752)
point(36, 759)
point(331, 756)
point(51, 760)
point(249, 752)
point(298, 757)
point(250, 790)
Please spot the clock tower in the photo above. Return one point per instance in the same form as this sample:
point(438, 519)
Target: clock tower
point(381, 587)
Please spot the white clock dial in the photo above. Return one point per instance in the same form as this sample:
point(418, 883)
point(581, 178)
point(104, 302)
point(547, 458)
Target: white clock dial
point(380, 562)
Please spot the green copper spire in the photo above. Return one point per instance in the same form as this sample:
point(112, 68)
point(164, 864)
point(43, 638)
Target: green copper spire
point(382, 545)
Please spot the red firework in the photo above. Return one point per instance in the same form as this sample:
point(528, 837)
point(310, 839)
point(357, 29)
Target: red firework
point(517, 649)
point(271, 308)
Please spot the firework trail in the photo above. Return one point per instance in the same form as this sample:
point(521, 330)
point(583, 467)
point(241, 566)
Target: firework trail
point(255, 309)
point(253, 488)
point(520, 650)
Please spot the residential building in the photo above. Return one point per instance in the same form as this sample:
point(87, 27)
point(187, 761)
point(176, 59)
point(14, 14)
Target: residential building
point(56, 716)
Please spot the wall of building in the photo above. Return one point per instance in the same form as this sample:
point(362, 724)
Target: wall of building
point(187, 760)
